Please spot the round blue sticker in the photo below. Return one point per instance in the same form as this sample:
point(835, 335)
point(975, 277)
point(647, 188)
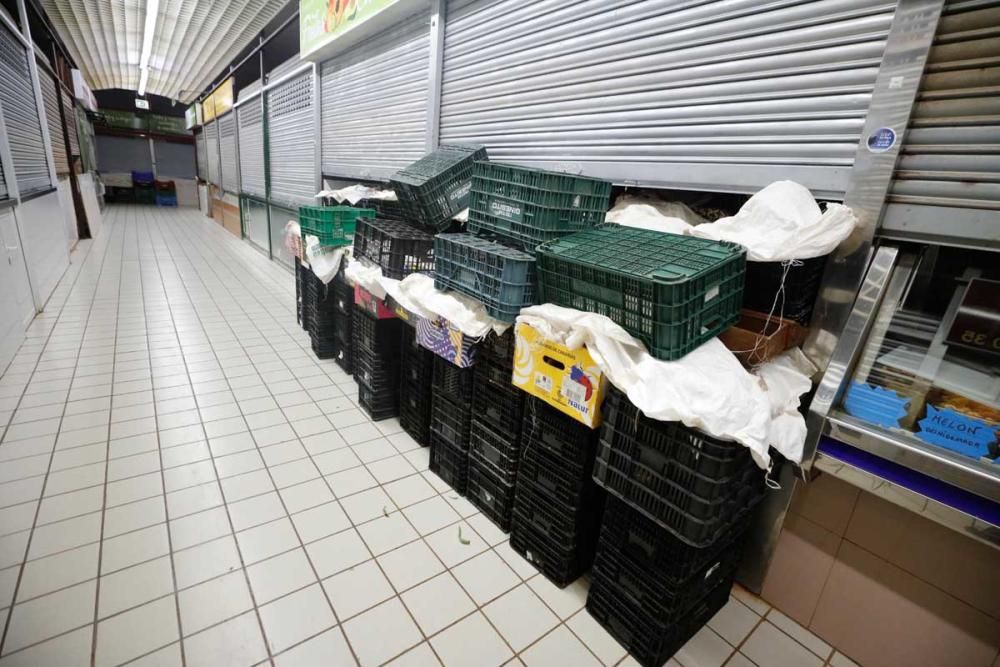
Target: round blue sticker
point(881, 140)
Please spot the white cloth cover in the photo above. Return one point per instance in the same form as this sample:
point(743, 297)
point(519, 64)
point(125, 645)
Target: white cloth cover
point(417, 293)
point(352, 194)
point(648, 213)
point(707, 389)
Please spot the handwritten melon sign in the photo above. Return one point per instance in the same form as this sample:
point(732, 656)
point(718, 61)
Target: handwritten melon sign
point(322, 21)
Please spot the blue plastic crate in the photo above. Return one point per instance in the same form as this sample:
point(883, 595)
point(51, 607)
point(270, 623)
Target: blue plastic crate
point(166, 200)
point(502, 278)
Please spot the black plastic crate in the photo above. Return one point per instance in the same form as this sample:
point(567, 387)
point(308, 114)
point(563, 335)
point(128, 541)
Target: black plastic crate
point(544, 425)
point(382, 403)
point(398, 248)
point(301, 280)
point(672, 292)
point(334, 349)
point(385, 209)
point(343, 295)
point(495, 399)
point(452, 382)
point(436, 187)
point(499, 451)
point(490, 494)
point(499, 277)
point(650, 642)
point(560, 566)
point(548, 472)
point(415, 411)
point(380, 337)
point(566, 526)
point(802, 282)
point(500, 348)
point(416, 361)
point(378, 373)
point(451, 420)
point(644, 543)
point(449, 463)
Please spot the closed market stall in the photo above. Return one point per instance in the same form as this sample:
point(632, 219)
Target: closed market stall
point(201, 149)
point(212, 151)
point(292, 141)
point(227, 151)
point(250, 117)
point(53, 119)
point(21, 118)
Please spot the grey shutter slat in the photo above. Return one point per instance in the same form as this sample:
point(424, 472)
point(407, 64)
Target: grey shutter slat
point(292, 141)
point(227, 148)
point(173, 159)
point(57, 138)
point(725, 95)
point(123, 155)
point(374, 105)
point(201, 149)
point(248, 90)
point(284, 68)
point(212, 150)
point(24, 128)
point(70, 114)
point(3, 184)
point(251, 136)
point(951, 153)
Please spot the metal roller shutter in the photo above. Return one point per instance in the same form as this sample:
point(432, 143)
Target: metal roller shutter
point(57, 137)
point(374, 105)
point(292, 140)
point(950, 157)
point(725, 95)
point(227, 148)
point(3, 184)
point(251, 120)
point(70, 114)
point(212, 150)
point(24, 128)
point(201, 150)
point(173, 159)
point(123, 155)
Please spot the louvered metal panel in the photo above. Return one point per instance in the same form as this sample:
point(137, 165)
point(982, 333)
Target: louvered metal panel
point(284, 68)
point(250, 116)
point(173, 159)
point(724, 95)
point(374, 106)
point(227, 147)
point(212, 153)
point(24, 129)
point(248, 91)
point(57, 138)
point(947, 180)
point(292, 140)
point(201, 152)
point(69, 113)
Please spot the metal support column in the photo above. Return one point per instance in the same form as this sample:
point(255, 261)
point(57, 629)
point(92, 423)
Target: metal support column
point(438, 18)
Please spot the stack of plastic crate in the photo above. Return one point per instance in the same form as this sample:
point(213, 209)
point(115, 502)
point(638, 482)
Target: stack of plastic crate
point(166, 193)
point(376, 363)
point(416, 373)
point(436, 187)
point(397, 247)
point(679, 503)
point(495, 434)
point(557, 506)
point(788, 290)
point(326, 318)
point(144, 187)
point(672, 292)
point(302, 279)
point(333, 226)
point(451, 420)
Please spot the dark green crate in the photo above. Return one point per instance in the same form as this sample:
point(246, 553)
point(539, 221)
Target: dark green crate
point(436, 187)
point(332, 225)
point(526, 207)
point(672, 292)
point(501, 278)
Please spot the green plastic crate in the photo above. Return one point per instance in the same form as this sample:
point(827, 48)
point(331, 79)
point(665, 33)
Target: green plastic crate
point(436, 187)
point(671, 292)
point(526, 207)
point(332, 225)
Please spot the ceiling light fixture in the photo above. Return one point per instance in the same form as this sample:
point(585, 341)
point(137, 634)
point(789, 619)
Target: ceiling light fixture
point(152, 9)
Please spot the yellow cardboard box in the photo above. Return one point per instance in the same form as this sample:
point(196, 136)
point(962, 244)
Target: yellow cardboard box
point(568, 380)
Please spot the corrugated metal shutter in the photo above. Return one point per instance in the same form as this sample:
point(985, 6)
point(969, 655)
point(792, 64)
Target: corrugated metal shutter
point(725, 95)
point(951, 152)
point(375, 103)
point(24, 128)
point(70, 115)
point(173, 159)
point(3, 184)
point(123, 155)
point(212, 148)
point(292, 141)
point(57, 138)
point(227, 147)
point(248, 90)
point(251, 120)
point(284, 68)
point(201, 149)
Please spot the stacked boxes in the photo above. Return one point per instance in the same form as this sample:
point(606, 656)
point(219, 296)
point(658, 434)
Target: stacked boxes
point(556, 505)
point(416, 373)
point(333, 226)
point(327, 318)
point(800, 280)
point(398, 248)
point(376, 364)
point(451, 419)
point(495, 437)
point(501, 278)
point(436, 187)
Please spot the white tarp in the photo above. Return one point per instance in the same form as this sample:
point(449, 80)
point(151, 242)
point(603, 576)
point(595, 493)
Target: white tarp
point(707, 389)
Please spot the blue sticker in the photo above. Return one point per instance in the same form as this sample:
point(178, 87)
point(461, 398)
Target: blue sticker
point(881, 140)
point(876, 405)
point(957, 432)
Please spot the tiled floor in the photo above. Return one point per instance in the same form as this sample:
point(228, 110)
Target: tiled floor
point(183, 483)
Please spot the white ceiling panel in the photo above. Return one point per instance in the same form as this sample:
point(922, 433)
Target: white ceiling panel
point(193, 41)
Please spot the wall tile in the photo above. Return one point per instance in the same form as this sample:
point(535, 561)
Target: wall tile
point(799, 568)
point(827, 501)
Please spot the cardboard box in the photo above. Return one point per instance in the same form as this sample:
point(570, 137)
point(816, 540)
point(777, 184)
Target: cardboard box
point(447, 341)
point(568, 380)
point(757, 338)
point(372, 304)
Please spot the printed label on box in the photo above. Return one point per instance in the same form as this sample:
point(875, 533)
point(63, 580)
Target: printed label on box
point(506, 210)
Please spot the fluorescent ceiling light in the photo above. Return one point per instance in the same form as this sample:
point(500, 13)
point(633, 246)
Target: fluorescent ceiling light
point(143, 79)
point(152, 9)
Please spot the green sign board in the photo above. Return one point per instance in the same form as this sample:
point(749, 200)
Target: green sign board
point(129, 120)
point(323, 21)
point(124, 119)
point(167, 124)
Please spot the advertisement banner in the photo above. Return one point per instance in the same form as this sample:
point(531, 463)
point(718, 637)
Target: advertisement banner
point(323, 21)
point(191, 116)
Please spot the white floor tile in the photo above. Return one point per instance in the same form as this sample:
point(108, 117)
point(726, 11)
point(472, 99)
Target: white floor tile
point(559, 648)
point(437, 603)
point(280, 575)
point(50, 615)
point(136, 632)
point(471, 641)
point(381, 633)
point(236, 642)
point(521, 617)
point(329, 648)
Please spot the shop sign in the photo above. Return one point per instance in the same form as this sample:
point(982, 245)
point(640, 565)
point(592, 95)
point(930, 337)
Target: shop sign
point(167, 125)
point(977, 323)
point(959, 433)
point(123, 119)
point(191, 116)
point(323, 21)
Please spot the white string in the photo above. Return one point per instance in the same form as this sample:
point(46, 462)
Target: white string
point(779, 296)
